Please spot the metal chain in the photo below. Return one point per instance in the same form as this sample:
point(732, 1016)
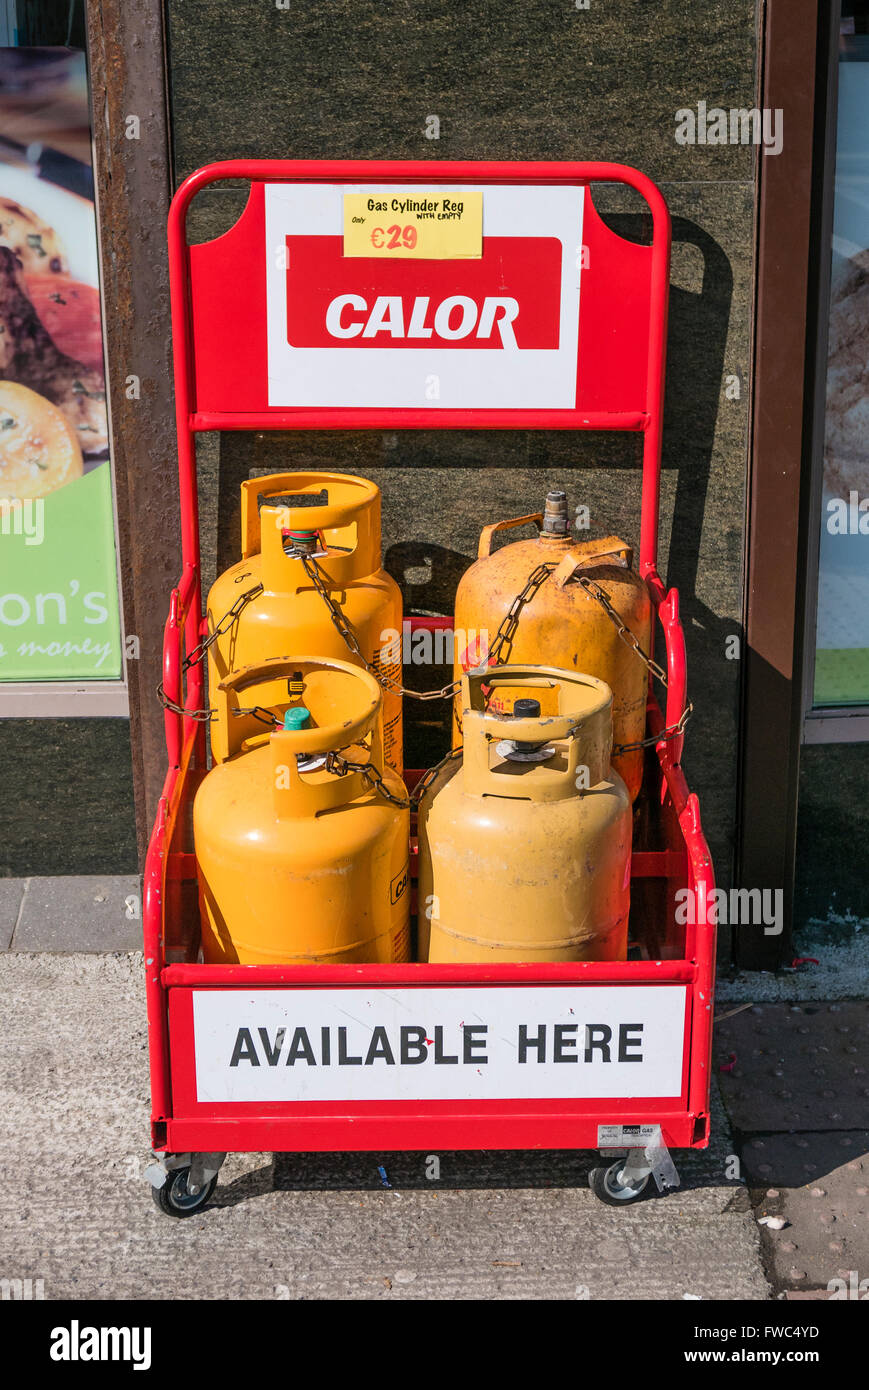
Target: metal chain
point(199, 652)
point(426, 780)
point(596, 592)
point(505, 634)
point(312, 569)
point(201, 715)
point(340, 767)
point(671, 731)
point(260, 712)
point(507, 629)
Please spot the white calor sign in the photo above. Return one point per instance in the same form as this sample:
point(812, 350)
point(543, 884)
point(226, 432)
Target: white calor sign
point(439, 1044)
point(496, 332)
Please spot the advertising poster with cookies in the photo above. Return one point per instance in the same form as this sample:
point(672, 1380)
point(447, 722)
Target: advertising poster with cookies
point(59, 613)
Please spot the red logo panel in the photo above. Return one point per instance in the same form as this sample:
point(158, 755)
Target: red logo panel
point(510, 298)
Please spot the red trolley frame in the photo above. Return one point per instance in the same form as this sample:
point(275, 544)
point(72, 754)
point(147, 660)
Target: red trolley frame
point(624, 317)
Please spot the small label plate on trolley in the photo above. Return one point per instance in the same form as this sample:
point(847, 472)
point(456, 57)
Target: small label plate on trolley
point(281, 1044)
point(626, 1136)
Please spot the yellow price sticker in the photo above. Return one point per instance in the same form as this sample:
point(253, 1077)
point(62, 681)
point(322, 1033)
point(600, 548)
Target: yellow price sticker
point(416, 225)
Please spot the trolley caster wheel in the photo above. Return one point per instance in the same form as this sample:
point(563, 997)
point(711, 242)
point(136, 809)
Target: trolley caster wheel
point(604, 1183)
point(174, 1199)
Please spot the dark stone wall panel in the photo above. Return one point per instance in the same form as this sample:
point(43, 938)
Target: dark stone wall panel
point(67, 804)
point(532, 79)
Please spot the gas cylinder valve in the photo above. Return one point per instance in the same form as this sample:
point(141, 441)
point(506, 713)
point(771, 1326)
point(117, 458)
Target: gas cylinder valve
point(524, 750)
point(555, 519)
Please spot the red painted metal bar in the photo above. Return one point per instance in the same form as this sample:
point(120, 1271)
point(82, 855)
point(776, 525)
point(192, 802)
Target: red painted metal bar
point(182, 616)
point(659, 863)
point(366, 419)
point(152, 933)
point(503, 1129)
point(659, 299)
point(312, 976)
point(701, 933)
point(677, 669)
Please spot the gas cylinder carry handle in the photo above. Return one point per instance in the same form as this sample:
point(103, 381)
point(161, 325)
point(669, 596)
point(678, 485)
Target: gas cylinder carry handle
point(325, 738)
point(584, 721)
point(551, 726)
point(350, 500)
point(485, 547)
point(591, 550)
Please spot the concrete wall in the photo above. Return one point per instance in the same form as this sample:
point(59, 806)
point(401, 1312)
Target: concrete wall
point(532, 80)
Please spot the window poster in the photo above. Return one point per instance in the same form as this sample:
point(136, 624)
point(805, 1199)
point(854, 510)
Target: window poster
point(59, 611)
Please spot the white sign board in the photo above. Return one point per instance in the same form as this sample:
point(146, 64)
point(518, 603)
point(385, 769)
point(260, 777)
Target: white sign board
point(498, 332)
point(471, 1043)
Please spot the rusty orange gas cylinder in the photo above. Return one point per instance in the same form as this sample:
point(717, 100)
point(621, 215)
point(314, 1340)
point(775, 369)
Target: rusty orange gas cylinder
point(559, 623)
point(302, 858)
point(525, 838)
point(304, 535)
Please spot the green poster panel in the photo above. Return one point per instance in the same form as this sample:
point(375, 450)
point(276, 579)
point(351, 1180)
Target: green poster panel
point(59, 617)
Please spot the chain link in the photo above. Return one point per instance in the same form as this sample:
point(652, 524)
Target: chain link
point(340, 767)
point(314, 573)
point(426, 780)
point(226, 622)
point(507, 628)
point(199, 653)
point(630, 640)
point(671, 731)
point(595, 591)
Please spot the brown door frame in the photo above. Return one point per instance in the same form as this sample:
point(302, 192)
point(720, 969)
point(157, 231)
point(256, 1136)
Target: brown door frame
point(133, 178)
point(794, 77)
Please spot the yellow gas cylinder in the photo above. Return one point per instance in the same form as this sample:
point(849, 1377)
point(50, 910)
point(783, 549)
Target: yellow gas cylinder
point(525, 836)
point(298, 859)
point(298, 531)
point(559, 623)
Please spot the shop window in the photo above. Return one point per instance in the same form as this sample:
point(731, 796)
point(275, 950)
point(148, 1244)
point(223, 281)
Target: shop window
point(840, 677)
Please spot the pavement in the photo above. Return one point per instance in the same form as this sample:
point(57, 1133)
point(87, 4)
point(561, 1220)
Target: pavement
point(777, 1207)
point(87, 912)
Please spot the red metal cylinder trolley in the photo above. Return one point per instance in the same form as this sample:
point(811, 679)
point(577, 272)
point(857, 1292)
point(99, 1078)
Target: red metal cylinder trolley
point(561, 325)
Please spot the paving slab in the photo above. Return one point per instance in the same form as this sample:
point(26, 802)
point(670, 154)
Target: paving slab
point(74, 1095)
point(819, 1185)
point(11, 893)
point(86, 912)
point(797, 1066)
